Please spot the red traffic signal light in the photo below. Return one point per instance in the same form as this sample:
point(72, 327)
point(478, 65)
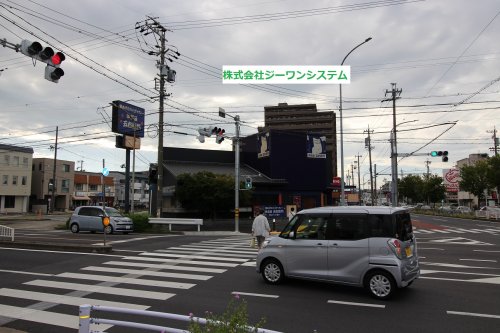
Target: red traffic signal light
point(57, 58)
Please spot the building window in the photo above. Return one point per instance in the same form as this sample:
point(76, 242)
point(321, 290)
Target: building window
point(65, 186)
point(66, 167)
point(25, 162)
point(5, 180)
point(14, 180)
point(7, 159)
point(93, 187)
point(24, 180)
point(15, 161)
point(79, 187)
point(10, 201)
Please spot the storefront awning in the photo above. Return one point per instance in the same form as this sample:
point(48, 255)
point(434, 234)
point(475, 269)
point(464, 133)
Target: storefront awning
point(82, 198)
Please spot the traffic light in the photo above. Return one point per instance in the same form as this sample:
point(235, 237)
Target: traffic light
point(53, 60)
point(248, 183)
point(220, 135)
point(153, 173)
point(442, 153)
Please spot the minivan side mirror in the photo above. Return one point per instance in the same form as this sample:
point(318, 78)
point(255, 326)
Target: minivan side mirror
point(291, 235)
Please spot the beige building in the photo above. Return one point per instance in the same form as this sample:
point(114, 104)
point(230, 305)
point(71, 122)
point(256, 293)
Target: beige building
point(15, 181)
point(42, 183)
point(89, 189)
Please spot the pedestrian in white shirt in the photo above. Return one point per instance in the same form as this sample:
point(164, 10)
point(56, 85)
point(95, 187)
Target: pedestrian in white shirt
point(260, 228)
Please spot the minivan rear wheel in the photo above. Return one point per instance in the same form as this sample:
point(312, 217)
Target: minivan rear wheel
point(272, 271)
point(108, 229)
point(380, 284)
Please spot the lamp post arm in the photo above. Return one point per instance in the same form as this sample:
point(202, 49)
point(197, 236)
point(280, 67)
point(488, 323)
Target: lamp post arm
point(366, 41)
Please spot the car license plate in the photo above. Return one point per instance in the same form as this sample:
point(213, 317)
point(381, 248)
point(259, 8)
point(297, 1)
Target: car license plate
point(127, 227)
point(408, 252)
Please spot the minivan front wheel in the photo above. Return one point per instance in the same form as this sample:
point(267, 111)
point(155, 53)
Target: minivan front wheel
point(74, 228)
point(272, 271)
point(380, 284)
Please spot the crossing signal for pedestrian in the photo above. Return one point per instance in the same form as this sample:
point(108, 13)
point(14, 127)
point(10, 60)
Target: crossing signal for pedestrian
point(53, 60)
point(153, 173)
point(248, 183)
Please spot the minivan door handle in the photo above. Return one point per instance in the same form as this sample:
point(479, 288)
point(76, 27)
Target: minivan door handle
point(335, 244)
point(320, 244)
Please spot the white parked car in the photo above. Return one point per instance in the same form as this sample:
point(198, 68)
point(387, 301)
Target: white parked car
point(463, 210)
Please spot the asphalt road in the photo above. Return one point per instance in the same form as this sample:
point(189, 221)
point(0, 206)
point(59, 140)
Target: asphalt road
point(458, 290)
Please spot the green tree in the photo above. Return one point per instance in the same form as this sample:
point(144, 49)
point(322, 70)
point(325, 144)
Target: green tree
point(494, 172)
point(411, 187)
point(207, 193)
point(434, 188)
point(475, 178)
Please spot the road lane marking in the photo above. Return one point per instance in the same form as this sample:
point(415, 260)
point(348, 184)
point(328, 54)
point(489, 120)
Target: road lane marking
point(62, 252)
point(209, 253)
point(252, 294)
point(166, 266)
point(65, 299)
point(148, 273)
point(211, 249)
point(44, 317)
point(441, 231)
point(430, 271)
point(453, 265)
point(490, 251)
point(249, 263)
point(471, 314)
point(485, 260)
point(381, 306)
point(129, 240)
point(101, 289)
point(28, 273)
point(116, 279)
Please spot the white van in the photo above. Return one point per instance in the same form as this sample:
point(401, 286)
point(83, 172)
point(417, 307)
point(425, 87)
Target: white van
point(372, 247)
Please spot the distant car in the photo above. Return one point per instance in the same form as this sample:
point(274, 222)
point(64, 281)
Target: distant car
point(89, 218)
point(463, 210)
point(425, 207)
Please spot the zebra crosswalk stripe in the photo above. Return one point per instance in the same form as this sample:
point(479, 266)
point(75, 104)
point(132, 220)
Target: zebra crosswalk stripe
point(166, 266)
point(64, 299)
point(116, 279)
point(43, 317)
point(148, 273)
point(101, 289)
point(172, 255)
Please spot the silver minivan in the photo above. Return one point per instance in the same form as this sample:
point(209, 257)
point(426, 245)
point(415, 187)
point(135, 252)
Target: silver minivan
point(372, 247)
point(89, 218)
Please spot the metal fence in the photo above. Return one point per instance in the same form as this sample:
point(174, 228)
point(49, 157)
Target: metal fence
point(7, 232)
point(86, 319)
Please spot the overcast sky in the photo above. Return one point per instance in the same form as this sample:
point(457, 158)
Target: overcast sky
point(439, 52)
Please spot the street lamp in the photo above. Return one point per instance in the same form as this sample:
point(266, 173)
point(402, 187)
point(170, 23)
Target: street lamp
point(342, 191)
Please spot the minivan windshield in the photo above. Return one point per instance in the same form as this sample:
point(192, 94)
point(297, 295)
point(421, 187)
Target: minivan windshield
point(113, 212)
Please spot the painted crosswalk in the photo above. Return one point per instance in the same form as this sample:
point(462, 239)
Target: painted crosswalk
point(132, 282)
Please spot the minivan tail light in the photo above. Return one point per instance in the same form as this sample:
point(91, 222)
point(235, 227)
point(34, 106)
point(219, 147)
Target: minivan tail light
point(395, 245)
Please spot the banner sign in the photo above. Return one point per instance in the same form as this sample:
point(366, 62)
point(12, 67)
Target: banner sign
point(264, 145)
point(450, 179)
point(274, 211)
point(316, 146)
point(127, 119)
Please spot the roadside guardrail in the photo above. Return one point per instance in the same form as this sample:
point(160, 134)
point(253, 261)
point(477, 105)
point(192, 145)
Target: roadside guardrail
point(86, 319)
point(7, 232)
point(170, 221)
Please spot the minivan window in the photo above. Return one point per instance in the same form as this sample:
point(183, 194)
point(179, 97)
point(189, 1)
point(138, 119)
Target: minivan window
point(289, 227)
point(348, 227)
point(380, 225)
point(311, 227)
point(404, 231)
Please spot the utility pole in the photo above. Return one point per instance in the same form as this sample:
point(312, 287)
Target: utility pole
point(375, 181)
point(368, 145)
point(237, 175)
point(53, 197)
point(495, 140)
point(359, 178)
point(427, 166)
point(394, 151)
